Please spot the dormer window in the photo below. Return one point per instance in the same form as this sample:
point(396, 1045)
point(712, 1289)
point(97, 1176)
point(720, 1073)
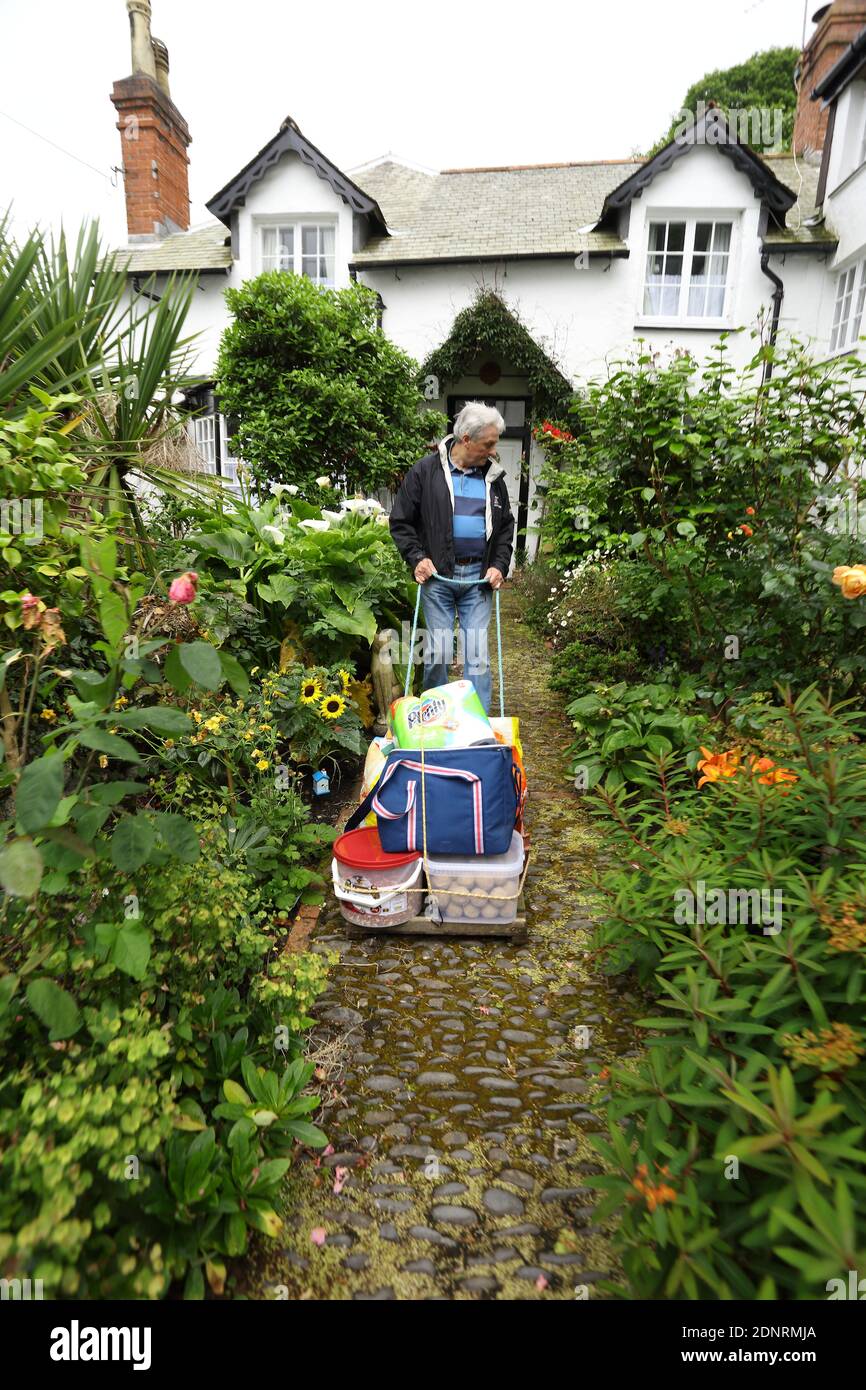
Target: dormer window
point(303, 248)
point(687, 271)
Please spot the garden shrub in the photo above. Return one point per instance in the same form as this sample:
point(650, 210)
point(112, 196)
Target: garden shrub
point(727, 505)
point(735, 1152)
point(317, 388)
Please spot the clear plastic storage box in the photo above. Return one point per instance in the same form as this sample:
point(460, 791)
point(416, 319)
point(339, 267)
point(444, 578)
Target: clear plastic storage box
point(493, 877)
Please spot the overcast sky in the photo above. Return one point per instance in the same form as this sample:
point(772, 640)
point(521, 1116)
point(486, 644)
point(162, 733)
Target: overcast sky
point(455, 83)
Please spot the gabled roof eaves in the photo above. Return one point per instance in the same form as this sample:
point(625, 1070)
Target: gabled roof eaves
point(289, 139)
point(774, 194)
point(844, 71)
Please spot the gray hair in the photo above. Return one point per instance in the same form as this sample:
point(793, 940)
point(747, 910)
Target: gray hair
point(475, 418)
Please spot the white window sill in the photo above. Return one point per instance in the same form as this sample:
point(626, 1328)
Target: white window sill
point(717, 324)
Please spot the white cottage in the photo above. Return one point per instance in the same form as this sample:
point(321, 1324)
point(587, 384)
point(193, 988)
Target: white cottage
point(705, 237)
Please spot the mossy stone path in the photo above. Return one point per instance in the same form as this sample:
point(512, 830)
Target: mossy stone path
point(460, 1092)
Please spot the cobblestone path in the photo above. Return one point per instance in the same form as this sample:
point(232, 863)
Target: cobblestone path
point(458, 1097)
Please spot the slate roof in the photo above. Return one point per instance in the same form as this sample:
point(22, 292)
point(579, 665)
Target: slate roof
point(207, 247)
point(533, 210)
point(505, 212)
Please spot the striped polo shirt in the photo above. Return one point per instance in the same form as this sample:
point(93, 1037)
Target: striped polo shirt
point(470, 504)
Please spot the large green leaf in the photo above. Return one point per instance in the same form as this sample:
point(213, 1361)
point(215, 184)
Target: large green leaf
point(201, 662)
point(39, 791)
point(113, 617)
point(132, 843)
point(57, 1009)
point(179, 835)
point(104, 742)
point(21, 868)
point(361, 623)
point(235, 674)
point(160, 719)
point(131, 950)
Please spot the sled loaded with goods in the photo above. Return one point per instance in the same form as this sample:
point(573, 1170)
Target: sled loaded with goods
point(438, 844)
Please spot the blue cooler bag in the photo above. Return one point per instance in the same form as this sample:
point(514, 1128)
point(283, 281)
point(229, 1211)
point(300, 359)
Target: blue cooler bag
point(472, 795)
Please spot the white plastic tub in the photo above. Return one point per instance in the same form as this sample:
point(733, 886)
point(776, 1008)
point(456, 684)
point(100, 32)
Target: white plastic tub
point(375, 889)
point(493, 877)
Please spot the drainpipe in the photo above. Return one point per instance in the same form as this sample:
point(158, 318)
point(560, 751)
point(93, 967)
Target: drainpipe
point(778, 296)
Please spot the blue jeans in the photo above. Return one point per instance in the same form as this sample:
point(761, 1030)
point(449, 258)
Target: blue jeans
point(473, 604)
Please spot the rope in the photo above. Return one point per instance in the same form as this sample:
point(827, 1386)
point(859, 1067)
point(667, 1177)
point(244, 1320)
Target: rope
point(446, 580)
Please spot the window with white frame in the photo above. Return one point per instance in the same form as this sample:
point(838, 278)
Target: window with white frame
point(687, 272)
point(204, 438)
point(848, 309)
point(304, 248)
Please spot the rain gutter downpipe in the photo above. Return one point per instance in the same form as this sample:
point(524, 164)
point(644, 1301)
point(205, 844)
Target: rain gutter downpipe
point(778, 296)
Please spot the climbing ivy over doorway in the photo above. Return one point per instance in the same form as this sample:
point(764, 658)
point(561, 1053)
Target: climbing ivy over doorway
point(487, 326)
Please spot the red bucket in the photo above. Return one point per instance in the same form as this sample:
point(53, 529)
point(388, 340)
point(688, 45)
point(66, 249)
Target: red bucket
point(375, 889)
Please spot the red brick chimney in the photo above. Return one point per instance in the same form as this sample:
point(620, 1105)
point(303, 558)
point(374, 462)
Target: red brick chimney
point(838, 24)
point(153, 137)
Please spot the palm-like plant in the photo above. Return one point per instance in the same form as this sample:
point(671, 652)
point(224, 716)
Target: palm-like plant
point(70, 323)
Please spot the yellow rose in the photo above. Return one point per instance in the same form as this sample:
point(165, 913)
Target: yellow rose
point(851, 580)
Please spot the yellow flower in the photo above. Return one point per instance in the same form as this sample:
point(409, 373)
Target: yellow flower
point(48, 714)
point(254, 669)
point(257, 753)
point(196, 716)
point(332, 706)
point(851, 580)
point(345, 679)
point(266, 727)
point(168, 743)
point(103, 761)
point(247, 738)
point(311, 691)
point(239, 704)
point(214, 723)
point(262, 764)
point(121, 702)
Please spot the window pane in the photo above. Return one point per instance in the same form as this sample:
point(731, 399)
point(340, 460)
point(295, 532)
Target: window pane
point(676, 236)
point(515, 413)
point(722, 236)
point(709, 273)
point(287, 248)
point(309, 240)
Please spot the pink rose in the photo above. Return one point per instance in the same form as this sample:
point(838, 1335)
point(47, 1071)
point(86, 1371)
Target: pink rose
point(183, 588)
point(318, 1234)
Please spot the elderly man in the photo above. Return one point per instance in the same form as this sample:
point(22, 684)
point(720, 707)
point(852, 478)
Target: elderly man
point(452, 517)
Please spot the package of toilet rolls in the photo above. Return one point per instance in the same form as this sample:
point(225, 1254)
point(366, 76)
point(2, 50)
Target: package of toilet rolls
point(470, 888)
point(445, 716)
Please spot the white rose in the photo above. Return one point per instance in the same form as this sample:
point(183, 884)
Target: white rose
point(315, 525)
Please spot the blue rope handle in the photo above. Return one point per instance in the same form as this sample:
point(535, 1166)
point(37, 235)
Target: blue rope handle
point(445, 579)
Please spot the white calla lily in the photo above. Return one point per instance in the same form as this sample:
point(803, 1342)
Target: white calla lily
point(311, 525)
point(273, 533)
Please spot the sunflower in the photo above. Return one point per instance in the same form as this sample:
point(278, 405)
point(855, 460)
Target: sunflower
point(345, 679)
point(311, 691)
point(332, 706)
